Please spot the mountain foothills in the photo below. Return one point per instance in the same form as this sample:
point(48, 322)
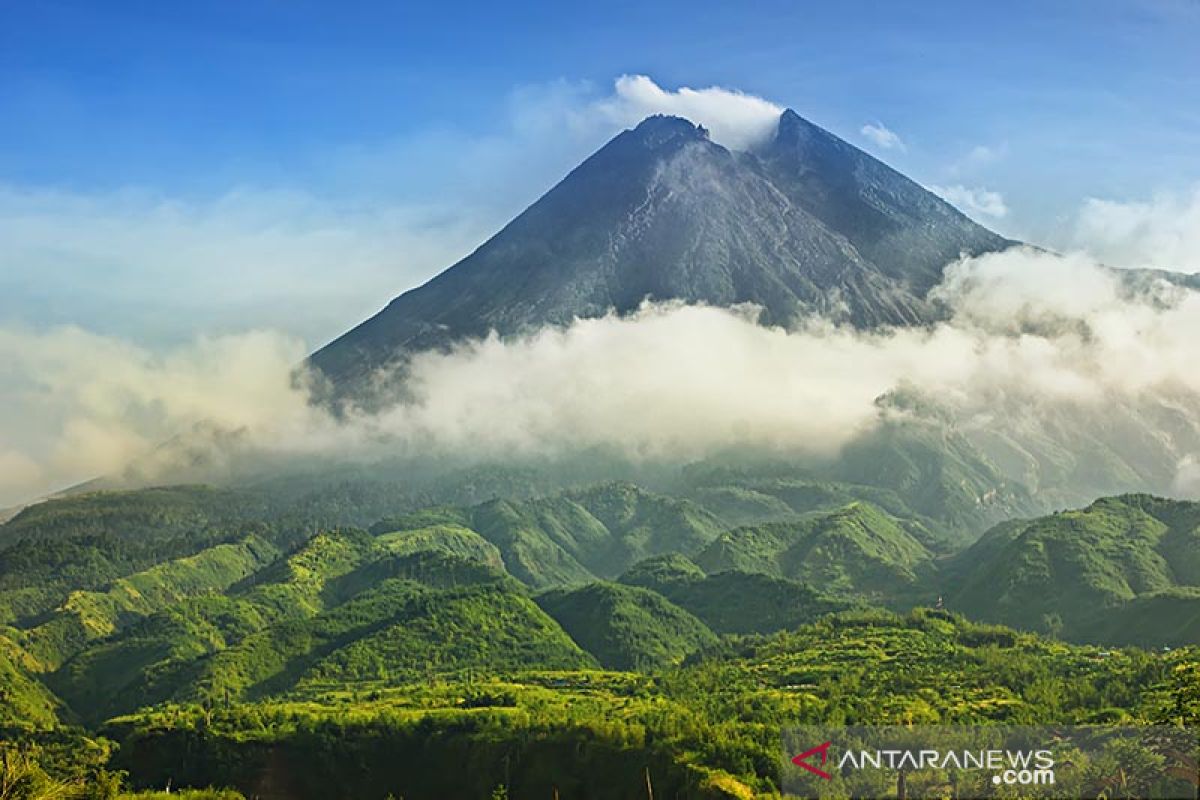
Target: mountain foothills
point(575, 641)
point(1125, 570)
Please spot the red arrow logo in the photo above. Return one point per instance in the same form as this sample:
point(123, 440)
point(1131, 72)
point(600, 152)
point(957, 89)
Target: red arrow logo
point(802, 760)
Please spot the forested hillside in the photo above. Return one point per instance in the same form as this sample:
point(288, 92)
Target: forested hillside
point(198, 637)
point(1125, 570)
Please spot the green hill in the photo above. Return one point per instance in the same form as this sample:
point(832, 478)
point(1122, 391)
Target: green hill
point(536, 550)
point(938, 472)
point(87, 542)
point(396, 629)
point(343, 608)
point(36, 575)
point(580, 535)
point(156, 657)
point(453, 540)
point(733, 601)
point(90, 615)
point(659, 573)
point(858, 549)
point(923, 470)
point(158, 513)
point(111, 673)
point(755, 494)
point(25, 703)
point(1169, 618)
point(1097, 574)
point(299, 583)
point(491, 627)
point(626, 627)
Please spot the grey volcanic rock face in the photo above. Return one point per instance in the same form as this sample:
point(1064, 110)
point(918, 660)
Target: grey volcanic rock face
point(806, 224)
point(906, 232)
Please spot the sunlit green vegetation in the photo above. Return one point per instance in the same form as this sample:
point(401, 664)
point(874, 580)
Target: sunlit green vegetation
point(1125, 570)
point(855, 550)
point(626, 627)
point(734, 601)
point(213, 639)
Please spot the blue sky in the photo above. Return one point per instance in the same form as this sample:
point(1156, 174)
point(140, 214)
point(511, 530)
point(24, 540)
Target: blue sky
point(173, 169)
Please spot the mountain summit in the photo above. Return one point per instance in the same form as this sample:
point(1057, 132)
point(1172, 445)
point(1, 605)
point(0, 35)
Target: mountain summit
point(804, 224)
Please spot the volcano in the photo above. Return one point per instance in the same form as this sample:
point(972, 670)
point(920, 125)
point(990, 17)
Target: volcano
point(804, 224)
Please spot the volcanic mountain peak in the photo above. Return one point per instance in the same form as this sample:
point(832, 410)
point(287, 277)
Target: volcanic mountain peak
point(803, 224)
point(659, 128)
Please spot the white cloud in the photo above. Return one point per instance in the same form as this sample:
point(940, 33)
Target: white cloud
point(1187, 480)
point(671, 382)
point(78, 405)
point(21, 478)
point(973, 201)
point(1163, 232)
point(881, 136)
point(734, 119)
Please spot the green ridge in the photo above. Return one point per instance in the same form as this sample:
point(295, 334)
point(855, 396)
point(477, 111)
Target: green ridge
point(626, 627)
point(858, 549)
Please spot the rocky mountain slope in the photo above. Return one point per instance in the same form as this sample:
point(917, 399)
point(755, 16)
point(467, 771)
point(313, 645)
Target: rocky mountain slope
point(805, 224)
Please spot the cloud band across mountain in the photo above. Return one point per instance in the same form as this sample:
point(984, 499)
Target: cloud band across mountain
point(1031, 337)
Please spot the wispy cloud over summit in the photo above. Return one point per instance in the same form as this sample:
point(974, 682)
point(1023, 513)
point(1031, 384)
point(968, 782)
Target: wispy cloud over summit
point(883, 137)
point(974, 202)
point(735, 119)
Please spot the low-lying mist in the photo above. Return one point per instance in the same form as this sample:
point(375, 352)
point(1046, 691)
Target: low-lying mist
point(1035, 348)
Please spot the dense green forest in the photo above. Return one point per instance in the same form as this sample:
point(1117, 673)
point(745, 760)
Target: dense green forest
point(600, 641)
